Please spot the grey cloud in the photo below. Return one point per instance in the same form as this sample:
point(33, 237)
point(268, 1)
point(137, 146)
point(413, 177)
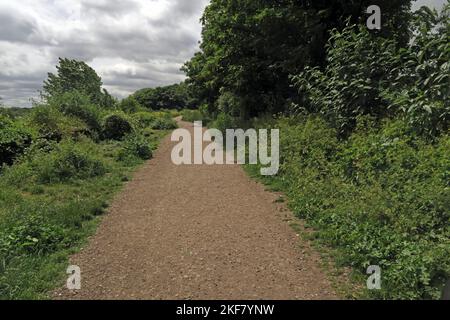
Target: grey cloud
point(114, 8)
point(15, 28)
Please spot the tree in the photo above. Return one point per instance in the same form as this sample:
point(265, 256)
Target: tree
point(73, 75)
point(175, 96)
point(250, 47)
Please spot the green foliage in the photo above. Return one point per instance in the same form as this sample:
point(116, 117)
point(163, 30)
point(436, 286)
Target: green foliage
point(31, 236)
point(171, 97)
point(116, 126)
point(144, 119)
point(68, 161)
point(53, 125)
point(77, 104)
point(165, 122)
point(192, 115)
point(130, 105)
point(135, 145)
point(370, 75)
point(73, 75)
point(14, 140)
point(13, 113)
point(249, 48)
point(381, 197)
point(223, 122)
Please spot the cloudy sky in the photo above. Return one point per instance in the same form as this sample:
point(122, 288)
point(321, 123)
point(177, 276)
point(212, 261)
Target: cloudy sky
point(132, 44)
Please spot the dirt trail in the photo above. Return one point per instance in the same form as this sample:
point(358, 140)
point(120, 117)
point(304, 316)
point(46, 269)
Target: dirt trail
point(196, 232)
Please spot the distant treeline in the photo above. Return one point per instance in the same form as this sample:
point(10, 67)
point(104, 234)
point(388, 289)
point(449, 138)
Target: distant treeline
point(173, 97)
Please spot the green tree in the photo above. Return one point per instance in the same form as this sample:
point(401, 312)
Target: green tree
point(175, 96)
point(73, 75)
point(250, 47)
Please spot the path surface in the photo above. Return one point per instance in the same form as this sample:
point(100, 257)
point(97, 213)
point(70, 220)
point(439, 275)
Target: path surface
point(196, 232)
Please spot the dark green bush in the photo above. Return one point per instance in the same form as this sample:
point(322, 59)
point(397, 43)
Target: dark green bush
point(116, 127)
point(223, 122)
point(14, 140)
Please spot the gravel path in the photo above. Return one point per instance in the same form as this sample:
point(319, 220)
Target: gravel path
point(197, 232)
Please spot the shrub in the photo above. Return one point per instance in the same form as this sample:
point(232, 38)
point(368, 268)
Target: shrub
point(369, 75)
point(130, 105)
point(69, 161)
point(223, 122)
point(135, 145)
point(144, 119)
point(164, 123)
point(53, 125)
point(192, 115)
point(78, 105)
point(116, 127)
point(380, 197)
point(14, 140)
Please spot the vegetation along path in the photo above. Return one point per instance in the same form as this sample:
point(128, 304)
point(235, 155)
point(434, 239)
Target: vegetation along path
point(196, 232)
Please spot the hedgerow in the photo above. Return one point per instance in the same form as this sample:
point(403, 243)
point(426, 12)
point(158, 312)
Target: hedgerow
point(380, 197)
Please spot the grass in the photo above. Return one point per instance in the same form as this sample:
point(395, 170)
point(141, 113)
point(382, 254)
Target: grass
point(43, 222)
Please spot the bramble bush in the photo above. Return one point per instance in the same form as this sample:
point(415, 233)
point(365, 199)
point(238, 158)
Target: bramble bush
point(116, 126)
point(70, 160)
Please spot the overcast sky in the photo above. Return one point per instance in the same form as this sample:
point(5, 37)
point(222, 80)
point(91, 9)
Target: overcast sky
point(132, 44)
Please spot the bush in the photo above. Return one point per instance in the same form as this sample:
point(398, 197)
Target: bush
point(130, 105)
point(52, 125)
point(164, 123)
point(192, 115)
point(14, 140)
point(144, 119)
point(78, 105)
point(69, 161)
point(381, 198)
point(370, 75)
point(116, 127)
point(135, 145)
point(223, 122)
